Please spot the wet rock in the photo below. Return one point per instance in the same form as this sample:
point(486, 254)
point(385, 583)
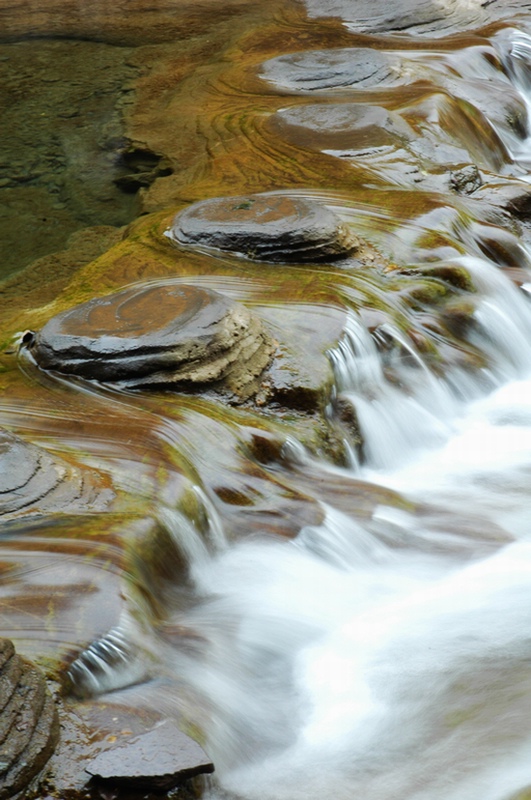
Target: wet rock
point(265, 227)
point(340, 126)
point(33, 481)
point(465, 180)
point(413, 16)
point(29, 728)
point(160, 759)
point(160, 336)
point(314, 70)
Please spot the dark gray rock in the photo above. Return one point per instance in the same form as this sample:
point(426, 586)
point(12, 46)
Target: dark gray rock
point(29, 728)
point(265, 227)
point(340, 126)
point(160, 759)
point(465, 180)
point(172, 335)
point(314, 70)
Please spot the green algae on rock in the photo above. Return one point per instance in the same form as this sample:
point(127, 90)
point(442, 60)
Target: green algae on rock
point(265, 227)
point(173, 336)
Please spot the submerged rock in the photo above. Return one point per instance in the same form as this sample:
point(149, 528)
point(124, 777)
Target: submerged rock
point(158, 336)
point(466, 180)
point(29, 728)
point(265, 227)
point(314, 70)
point(32, 481)
point(340, 126)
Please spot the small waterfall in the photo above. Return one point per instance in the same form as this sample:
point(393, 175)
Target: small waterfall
point(389, 658)
point(382, 652)
point(415, 409)
point(394, 419)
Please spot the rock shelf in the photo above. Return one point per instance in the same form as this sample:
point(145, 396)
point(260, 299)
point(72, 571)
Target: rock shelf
point(158, 336)
point(317, 70)
point(265, 227)
point(29, 728)
point(340, 126)
point(32, 481)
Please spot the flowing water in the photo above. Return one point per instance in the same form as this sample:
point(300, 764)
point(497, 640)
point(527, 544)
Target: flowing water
point(345, 614)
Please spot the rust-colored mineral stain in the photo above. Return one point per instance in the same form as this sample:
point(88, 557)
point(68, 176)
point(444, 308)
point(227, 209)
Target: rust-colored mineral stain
point(136, 313)
point(260, 210)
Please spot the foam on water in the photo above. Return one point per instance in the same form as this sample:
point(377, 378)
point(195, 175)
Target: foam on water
point(389, 659)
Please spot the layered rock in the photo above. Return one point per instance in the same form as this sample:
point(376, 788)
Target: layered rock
point(340, 126)
point(158, 336)
point(29, 728)
point(32, 481)
point(265, 227)
point(317, 70)
point(435, 17)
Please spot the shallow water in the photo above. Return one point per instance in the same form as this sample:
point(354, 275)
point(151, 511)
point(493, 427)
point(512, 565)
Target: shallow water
point(338, 600)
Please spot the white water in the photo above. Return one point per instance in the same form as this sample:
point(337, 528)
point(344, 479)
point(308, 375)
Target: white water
point(390, 661)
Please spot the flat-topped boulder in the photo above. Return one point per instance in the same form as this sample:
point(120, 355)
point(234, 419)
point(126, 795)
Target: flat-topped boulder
point(159, 759)
point(33, 481)
point(265, 227)
point(158, 336)
point(340, 126)
point(316, 70)
point(29, 728)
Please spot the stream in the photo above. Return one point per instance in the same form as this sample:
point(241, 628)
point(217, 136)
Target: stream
point(328, 587)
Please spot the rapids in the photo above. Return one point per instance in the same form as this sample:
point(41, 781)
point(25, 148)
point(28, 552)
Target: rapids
point(336, 603)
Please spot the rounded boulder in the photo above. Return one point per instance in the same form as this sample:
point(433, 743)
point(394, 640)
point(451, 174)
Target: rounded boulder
point(171, 335)
point(265, 227)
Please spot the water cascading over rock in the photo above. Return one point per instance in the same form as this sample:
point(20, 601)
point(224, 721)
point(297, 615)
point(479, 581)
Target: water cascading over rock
point(170, 336)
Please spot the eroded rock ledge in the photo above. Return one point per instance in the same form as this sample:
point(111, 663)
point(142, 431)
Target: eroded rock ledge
point(158, 336)
point(265, 227)
point(32, 481)
point(29, 727)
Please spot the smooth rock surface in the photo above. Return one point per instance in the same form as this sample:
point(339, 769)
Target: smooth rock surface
point(435, 17)
point(265, 227)
point(32, 481)
point(314, 70)
point(29, 728)
point(171, 335)
point(162, 758)
point(340, 126)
